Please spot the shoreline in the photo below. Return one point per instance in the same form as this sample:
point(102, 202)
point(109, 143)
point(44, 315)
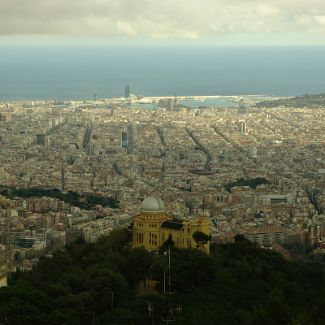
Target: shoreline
point(149, 98)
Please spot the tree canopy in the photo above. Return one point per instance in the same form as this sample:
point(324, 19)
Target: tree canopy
point(98, 283)
point(86, 202)
point(200, 238)
point(253, 183)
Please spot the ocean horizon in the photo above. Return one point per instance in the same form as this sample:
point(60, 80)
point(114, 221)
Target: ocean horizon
point(79, 72)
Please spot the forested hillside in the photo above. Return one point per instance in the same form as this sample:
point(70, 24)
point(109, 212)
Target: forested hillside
point(99, 284)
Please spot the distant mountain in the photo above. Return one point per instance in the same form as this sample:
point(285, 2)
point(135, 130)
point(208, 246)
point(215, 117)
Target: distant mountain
point(300, 101)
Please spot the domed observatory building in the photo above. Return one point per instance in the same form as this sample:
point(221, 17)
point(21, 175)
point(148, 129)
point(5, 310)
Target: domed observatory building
point(146, 225)
point(152, 227)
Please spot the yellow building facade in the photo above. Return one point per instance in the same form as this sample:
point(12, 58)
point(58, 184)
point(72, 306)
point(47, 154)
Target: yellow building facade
point(152, 227)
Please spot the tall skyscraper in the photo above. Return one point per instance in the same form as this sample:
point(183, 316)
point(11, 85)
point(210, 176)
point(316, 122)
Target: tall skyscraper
point(40, 139)
point(241, 107)
point(130, 138)
point(128, 91)
point(170, 104)
point(127, 139)
point(124, 139)
point(175, 99)
point(242, 127)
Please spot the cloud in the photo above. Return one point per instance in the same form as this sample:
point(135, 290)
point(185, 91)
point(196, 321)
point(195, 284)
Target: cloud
point(160, 19)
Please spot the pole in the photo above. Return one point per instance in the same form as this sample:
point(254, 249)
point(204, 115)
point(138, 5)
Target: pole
point(8, 240)
point(165, 281)
point(169, 280)
point(171, 310)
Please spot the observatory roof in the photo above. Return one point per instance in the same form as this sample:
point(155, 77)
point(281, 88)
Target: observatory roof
point(152, 204)
point(175, 225)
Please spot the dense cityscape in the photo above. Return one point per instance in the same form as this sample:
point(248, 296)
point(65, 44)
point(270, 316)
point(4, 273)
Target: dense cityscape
point(162, 162)
point(82, 168)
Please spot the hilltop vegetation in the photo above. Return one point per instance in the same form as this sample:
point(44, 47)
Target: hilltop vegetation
point(299, 101)
point(98, 284)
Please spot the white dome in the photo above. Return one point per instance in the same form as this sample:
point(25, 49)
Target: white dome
point(152, 204)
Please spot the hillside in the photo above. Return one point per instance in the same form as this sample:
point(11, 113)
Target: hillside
point(97, 284)
point(299, 101)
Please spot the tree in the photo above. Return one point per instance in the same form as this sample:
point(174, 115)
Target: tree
point(118, 239)
point(200, 238)
point(166, 244)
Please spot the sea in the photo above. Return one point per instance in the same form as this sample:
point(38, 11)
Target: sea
point(80, 72)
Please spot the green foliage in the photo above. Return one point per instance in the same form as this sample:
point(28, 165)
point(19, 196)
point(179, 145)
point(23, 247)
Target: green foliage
point(97, 283)
point(201, 238)
point(168, 243)
point(253, 183)
point(86, 202)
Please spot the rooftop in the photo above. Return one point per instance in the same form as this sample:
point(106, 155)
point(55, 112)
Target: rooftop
point(175, 225)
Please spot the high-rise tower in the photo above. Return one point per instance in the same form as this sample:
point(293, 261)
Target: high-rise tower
point(170, 104)
point(40, 139)
point(130, 138)
point(124, 139)
point(127, 91)
point(242, 127)
point(241, 106)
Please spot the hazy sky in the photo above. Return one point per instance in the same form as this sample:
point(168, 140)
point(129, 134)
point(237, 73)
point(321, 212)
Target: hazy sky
point(216, 22)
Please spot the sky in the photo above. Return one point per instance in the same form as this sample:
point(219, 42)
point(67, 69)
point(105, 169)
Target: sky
point(146, 22)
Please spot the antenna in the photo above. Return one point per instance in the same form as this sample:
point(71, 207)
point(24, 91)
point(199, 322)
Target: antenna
point(8, 240)
point(169, 275)
point(203, 206)
point(171, 309)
